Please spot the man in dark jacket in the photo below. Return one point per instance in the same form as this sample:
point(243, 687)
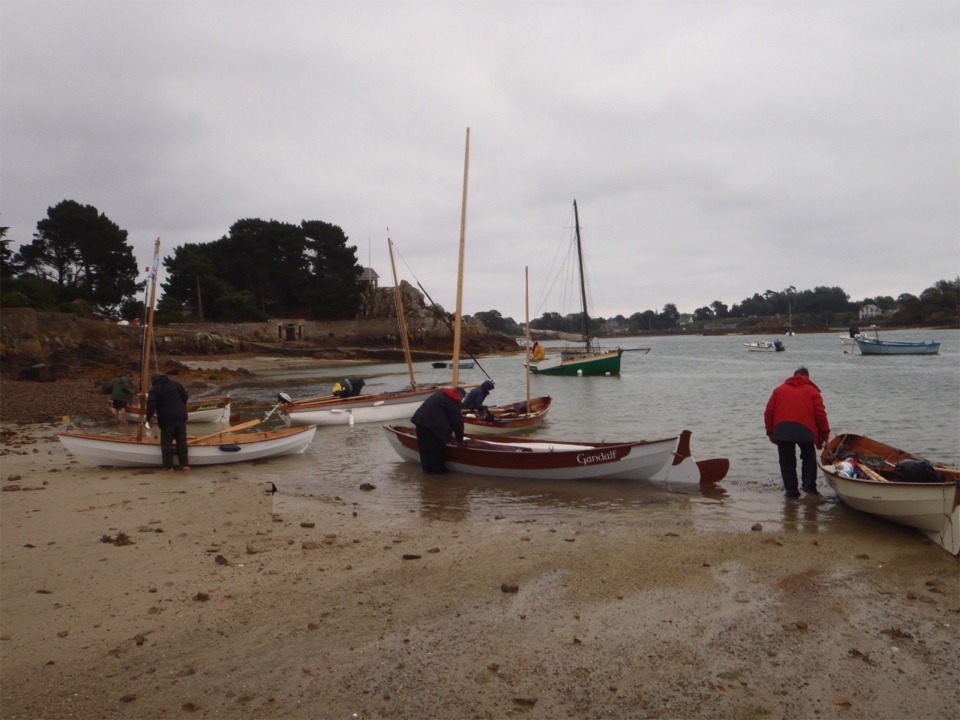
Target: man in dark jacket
point(478, 396)
point(796, 417)
point(168, 400)
point(438, 421)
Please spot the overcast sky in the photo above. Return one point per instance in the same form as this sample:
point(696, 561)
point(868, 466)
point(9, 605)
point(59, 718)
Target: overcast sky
point(716, 149)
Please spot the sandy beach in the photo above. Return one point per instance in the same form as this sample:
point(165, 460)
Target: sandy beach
point(141, 594)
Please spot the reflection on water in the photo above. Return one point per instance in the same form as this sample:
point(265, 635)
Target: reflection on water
point(710, 385)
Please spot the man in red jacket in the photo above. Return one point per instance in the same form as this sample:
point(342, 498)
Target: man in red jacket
point(795, 416)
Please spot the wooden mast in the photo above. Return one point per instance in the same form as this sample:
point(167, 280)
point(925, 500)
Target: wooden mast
point(402, 320)
point(463, 237)
point(148, 338)
point(526, 334)
point(583, 285)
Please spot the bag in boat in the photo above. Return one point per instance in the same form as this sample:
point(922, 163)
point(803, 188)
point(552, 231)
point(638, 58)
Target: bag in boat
point(916, 470)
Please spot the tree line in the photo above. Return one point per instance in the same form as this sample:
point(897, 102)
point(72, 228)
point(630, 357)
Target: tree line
point(81, 261)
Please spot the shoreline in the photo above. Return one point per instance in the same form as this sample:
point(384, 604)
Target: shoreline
point(234, 602)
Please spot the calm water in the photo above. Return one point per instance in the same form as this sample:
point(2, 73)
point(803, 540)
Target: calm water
point(710, 385)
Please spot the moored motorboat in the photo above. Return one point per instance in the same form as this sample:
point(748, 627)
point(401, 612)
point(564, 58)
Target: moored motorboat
point(666, 459)
point(882, 480)
point(765, 346)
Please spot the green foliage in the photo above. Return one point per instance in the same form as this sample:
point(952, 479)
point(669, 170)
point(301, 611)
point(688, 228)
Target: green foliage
point(132, 309)
point(267, 268)
point(84, 254)
point(14, 299)
point(9, 267)
point(238, 306)
point(495, 322)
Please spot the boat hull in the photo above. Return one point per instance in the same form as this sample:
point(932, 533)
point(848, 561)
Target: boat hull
point(219, 449)
point(384, 407)
point(463, 365)
point(764, 346)
point(667, 459)
point(870, 346)
point(202, 410)
point(607, 363)
point(931, 507)
point(508, 419)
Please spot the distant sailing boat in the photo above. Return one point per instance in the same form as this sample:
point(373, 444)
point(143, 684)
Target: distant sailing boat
point(590, 359)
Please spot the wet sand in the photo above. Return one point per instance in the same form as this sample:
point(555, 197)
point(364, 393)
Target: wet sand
point(142, 594)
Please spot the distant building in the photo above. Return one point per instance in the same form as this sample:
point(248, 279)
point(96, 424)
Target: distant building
point(685, 319)
point(869, 311)
point(369, 277)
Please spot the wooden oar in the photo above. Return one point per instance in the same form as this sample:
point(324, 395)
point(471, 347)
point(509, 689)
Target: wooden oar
point(232, 429)
point(872, 474)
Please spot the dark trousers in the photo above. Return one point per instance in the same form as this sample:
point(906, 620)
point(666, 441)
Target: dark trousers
point(431, 451)
point(168, 435)
point(788, 464)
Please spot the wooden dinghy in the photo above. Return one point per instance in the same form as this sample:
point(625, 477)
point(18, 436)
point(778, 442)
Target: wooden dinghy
point(665, 459)
point(879, 479)
point(507, 419)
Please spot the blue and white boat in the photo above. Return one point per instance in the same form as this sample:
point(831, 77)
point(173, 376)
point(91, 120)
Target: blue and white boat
point(875, 346)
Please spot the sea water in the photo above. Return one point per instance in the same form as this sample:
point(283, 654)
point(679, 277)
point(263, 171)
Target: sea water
point(710, 385)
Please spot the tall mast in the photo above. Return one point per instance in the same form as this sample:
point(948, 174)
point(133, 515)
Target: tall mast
point(148, 337)
point(401, 319)
point(526, 332)
point(463, 237)
point(583, 285)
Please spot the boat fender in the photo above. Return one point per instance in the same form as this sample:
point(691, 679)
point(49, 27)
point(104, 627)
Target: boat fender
point(230, 448)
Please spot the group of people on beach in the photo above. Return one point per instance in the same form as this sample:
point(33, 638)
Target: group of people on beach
point(795, 418)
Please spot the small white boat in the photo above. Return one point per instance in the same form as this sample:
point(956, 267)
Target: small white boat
point(330, 410)
point(201, 410)
point(217, 449)
point(667, 459)
point(765, 346)
point(864, 474)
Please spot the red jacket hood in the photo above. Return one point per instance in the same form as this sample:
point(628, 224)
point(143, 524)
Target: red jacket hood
point(451, 393)
point(800, 381)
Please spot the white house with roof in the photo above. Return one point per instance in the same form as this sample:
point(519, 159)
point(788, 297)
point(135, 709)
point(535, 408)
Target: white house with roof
point(870, 311)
